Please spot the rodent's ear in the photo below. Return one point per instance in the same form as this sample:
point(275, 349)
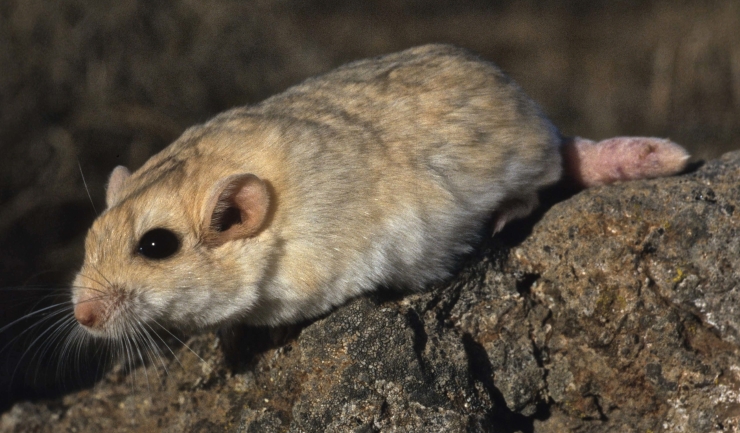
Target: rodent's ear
point(115, 183)
point(237, 209)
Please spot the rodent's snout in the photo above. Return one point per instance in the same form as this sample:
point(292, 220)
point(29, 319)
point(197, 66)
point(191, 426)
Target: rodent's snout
point(88, 312)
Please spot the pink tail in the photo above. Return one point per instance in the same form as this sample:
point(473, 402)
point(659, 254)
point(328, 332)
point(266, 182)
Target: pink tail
point(621, 158)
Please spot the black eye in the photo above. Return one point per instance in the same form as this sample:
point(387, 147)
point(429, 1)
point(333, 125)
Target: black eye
point(158, 244)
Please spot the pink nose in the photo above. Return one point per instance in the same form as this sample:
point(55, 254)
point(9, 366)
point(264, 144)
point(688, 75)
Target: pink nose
point(87, 312)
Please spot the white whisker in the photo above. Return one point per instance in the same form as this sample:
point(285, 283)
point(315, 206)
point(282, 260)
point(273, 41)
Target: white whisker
point(165, 344)
point(152, 345)
point(84, 182)
point(179, 341)
point(31, 314)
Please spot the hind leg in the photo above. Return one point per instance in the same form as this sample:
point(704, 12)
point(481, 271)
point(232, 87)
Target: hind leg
point(514, 208)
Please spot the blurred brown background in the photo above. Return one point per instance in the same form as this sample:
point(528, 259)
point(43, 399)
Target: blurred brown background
point(87, 85)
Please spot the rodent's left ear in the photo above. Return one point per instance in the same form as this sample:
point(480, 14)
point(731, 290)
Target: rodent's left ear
point(237, 208)
point(115, 184)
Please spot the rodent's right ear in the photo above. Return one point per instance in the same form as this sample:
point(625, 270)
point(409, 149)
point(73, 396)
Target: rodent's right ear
point(237, 208)
point(115, 184)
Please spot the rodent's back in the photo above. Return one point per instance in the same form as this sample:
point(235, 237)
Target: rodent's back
point(424, 104)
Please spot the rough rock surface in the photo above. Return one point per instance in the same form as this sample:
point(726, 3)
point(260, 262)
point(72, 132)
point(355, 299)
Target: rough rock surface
point(611, 310)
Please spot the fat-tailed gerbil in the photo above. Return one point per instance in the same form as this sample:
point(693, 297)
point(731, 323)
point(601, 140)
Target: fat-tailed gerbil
point(382, 172)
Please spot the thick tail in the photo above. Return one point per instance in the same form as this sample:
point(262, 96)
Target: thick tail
point(621, 158)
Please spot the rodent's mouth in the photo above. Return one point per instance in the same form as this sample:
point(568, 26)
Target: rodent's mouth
point(97, 332)
point(101, 312)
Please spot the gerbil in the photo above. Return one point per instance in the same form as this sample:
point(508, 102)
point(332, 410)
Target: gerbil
point(382, 172)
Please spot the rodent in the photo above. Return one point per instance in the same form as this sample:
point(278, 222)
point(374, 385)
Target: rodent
point(382, 172)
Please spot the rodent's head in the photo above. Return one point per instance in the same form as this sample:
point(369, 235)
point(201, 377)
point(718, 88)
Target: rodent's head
point(173, 253)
